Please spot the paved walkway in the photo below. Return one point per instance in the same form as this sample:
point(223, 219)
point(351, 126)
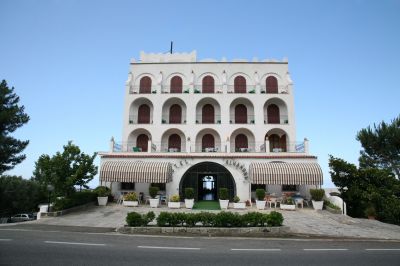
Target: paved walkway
point(302, 221)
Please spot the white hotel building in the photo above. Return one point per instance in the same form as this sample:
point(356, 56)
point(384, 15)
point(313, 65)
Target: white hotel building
point(209, 124)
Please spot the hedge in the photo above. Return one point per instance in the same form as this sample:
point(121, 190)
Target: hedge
point(207, 219)
point(75, 199)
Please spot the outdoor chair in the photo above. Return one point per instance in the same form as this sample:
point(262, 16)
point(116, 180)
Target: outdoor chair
point(272, 201)
point(299, 202)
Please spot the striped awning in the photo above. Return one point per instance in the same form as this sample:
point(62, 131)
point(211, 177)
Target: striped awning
point(286, 173)
point(136, 171)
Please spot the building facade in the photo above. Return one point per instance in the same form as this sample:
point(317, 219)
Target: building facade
point(209, 124)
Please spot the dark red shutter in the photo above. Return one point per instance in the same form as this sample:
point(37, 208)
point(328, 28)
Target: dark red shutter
point(240, 114)
point(142, 141)
point(207, 141)
point(144, 114)
point(273, 114)
point(176, 85)
point(240, 84)
point(208, 84)
point(207, 114)
point(282, 143)
point(273, 142)
point(272, 84)
point(145, 85)
point(241, 142)
point(175, 114)
point(174, 141)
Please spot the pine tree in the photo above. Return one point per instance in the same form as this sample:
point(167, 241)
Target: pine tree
point(12, 116)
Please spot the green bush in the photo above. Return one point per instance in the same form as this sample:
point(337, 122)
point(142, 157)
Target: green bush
point(153, 191)
point(223, 193)
point(174, 198)
point(192, 219)
point(75, 199)
point(189, 193)
point(102, 191)
point(317, 194)
point(132, 196)
point(137, 219)
point(163, 219)
point(252, 219)
point(274, 219)
point(236, 199)
point(260, 193)
point(207, 218)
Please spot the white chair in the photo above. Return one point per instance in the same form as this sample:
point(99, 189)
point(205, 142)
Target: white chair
point(299, 201)
point(271, 201)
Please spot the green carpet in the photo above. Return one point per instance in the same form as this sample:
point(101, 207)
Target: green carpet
point(206, 205)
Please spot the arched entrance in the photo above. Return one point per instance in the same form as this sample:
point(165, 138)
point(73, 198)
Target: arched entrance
point(207, 178)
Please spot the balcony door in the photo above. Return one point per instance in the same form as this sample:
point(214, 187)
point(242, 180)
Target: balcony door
point(175, 114)
point(240, 84)
point(208, 84)
point(241, 142)
point(142, 142)
point(240, 114)
point(273, 114)
point(272, 84)
point(207, 142)
point(207, 114)
point(144, 114)
point(145, 85)
point(174, 142)
point(176, 84)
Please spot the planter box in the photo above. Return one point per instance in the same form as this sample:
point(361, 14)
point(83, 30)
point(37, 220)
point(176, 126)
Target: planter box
point(102, 201)
point(154, 203)
point(288, 207)
point(239, 205)
point(223, 204)
point(317, 205)
point(174, 205)
point(189, 203)
point(260, 204)
point(129, 203)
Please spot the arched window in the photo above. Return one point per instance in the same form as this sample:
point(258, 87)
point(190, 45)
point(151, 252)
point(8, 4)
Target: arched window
point(207, 114)
point(176, 85)
point(276, 143)
point(208, 84)
point(207, 142)
point(271, 84)
point(144, 114)
point(241, 142)
point(142, 142)
point(239, 84)
point(273, 114)
point(240, 114)
point(174, 142)
point(145, 85)
point(175, 114)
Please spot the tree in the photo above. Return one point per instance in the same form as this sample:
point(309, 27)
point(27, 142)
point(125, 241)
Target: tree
point(12, 116)
point(381, 146)
point(65, 170)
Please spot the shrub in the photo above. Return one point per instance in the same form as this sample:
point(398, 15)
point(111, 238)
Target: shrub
point(223, 193)
point(102, 191)
point(274, 219)
point(148, 218)
point(153, 191)
point(163, 219)
point(136, 219)
point(370, 211)
point(329, 204)
point(252, 219)
point(174, 198)
point(236, 199)
point(288, 201)
point(260, 193)
point(207, 218)
point(192, 219)
point(189, 193)
point(131, 196)
point(317, 194)
point(75, 199)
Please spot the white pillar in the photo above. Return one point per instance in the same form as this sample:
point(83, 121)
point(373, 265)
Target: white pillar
point(149, 146)
point(228, 146)
point(267, 145)
point(306, 146)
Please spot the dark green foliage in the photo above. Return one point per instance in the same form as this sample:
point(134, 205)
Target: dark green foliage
point(20, 195)
point(317, 194)
point(102, 191)
point(137, 219)
point(207, 218)
point(223, 193)
point(252, 219)
point(163, 219)
point(260, 193)
point(12, 117)
point(192, 219)
point(153, 191)
point(189, 193)
point(274, 219)
point(65, 170)
point(74, 199)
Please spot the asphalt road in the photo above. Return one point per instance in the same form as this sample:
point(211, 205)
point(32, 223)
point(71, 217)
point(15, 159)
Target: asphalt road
point(25, 246)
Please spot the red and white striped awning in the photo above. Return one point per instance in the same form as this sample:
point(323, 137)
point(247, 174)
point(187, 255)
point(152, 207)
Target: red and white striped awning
point(136, 171)
point(286, 173)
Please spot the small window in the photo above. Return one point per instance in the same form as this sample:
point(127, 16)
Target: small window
point(289, 188)
point(161, 186)
point(127, 186)
point(257, 186)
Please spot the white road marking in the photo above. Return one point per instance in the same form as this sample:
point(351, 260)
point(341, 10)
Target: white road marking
point(5, 239)
point(325, 249)
point(74, 243)
point(255, 249)
point(155, 247)
point(382, 249)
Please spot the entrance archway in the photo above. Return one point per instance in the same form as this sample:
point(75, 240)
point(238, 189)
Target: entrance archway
point(206, 179)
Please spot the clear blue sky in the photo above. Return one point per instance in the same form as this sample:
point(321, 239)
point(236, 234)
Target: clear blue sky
point(69, 60)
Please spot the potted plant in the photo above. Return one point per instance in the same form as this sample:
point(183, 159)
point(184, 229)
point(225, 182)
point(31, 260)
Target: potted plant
point(223, 198)
point(260, 202)
point(288, 204)
point(174, 202)
point(189, 197)
point(153, 194)
point(130, 200)
point(102, 195)
point(370, 212)
point(237, 204)
point(317, 196)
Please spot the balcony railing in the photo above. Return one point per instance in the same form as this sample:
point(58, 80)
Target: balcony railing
point(284, 89)
point(165, 120)
point(249, 89)
point(136, 90)
point(242, 119)
point(134, 119)
point(199, 89)
point(167, 89)
point(283, 119)
point(207, 120)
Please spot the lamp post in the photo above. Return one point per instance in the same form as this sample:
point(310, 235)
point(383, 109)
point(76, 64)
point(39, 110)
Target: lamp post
point(50, 188)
